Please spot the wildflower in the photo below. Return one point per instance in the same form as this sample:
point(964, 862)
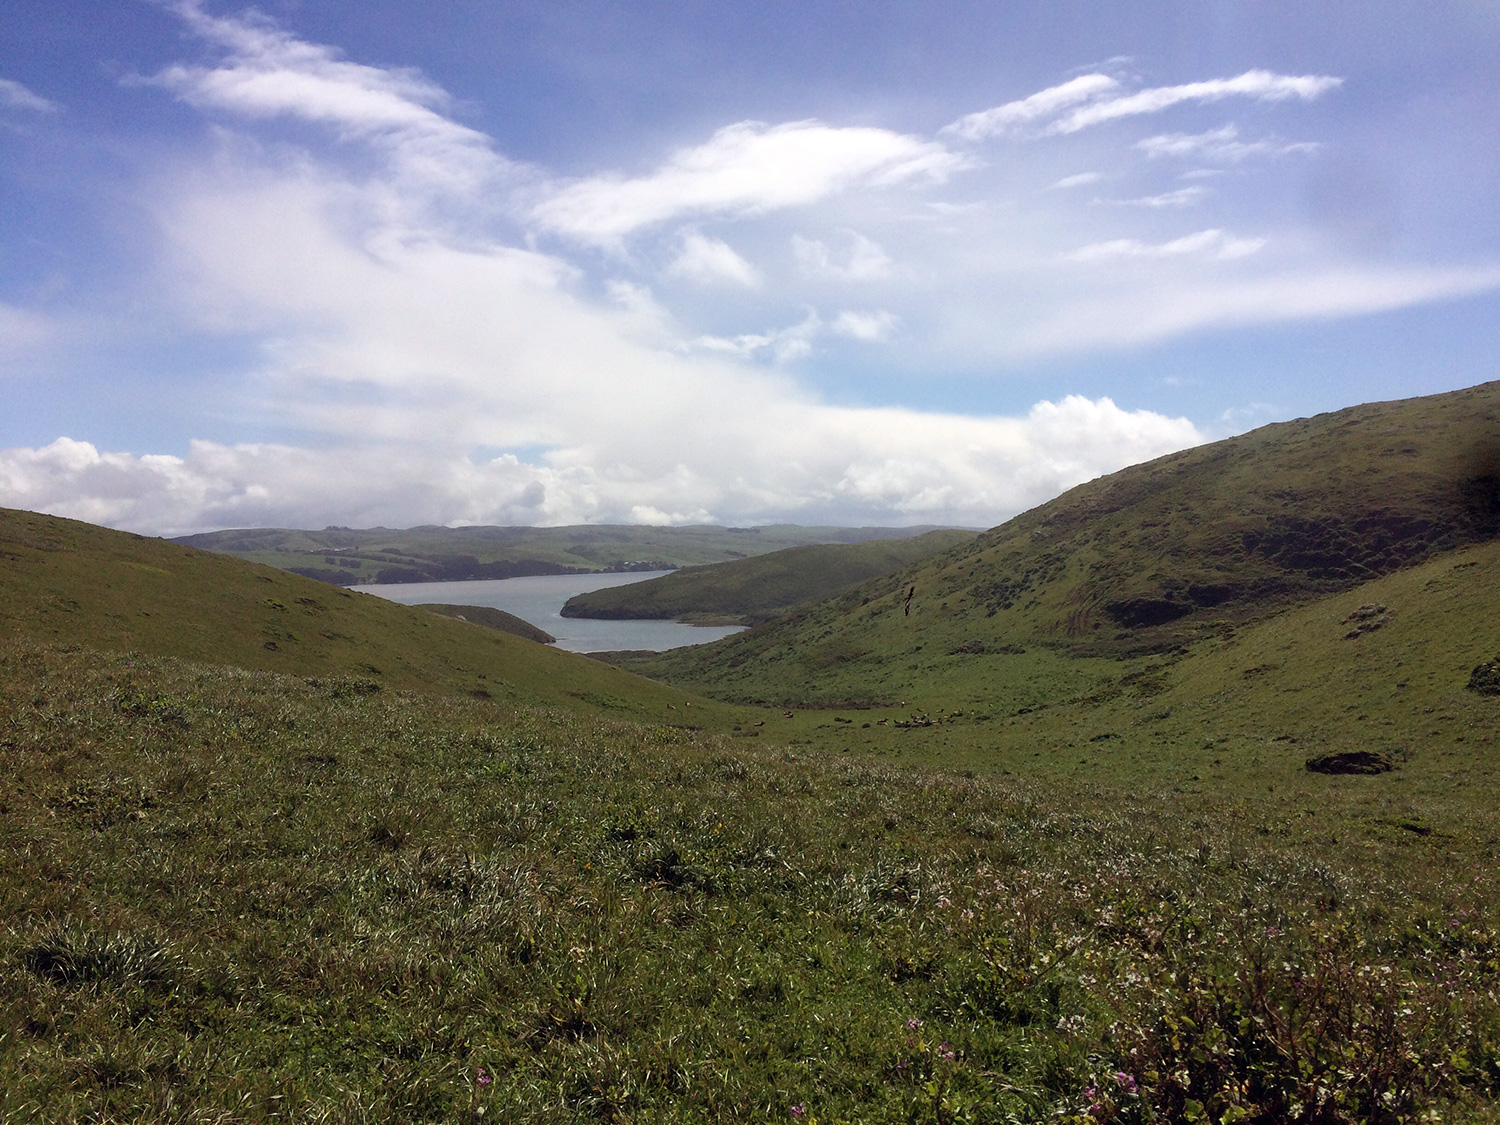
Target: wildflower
point(799, 1110)
point(482, 1077)
point(945, 1052)
point(1125, 1081)
point(913, 1024)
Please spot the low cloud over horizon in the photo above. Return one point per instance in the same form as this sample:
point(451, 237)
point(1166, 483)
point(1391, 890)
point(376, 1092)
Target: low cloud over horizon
point(350, 305)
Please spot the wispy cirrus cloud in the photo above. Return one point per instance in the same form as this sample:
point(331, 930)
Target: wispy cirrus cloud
point(13, 95)
point(862, 260)
point(1222, 145)
point(712, 261)
point(1079, 179)
point(1209, 243)
point(269, 73)
point(744, 169)
point(1178, 197)
point(1017, 116)
point(1093, 99)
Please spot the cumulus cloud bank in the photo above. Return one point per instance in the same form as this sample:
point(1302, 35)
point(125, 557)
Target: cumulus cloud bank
point(647, 350)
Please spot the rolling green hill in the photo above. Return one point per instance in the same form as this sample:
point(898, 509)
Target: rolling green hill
point(349, 556)
point(70, 583)
point(1039, 828)
point(491, 618)
point(749, 591)
point(1147, 560)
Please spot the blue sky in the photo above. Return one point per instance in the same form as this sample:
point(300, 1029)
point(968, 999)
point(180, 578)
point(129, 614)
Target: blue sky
point(315, 262)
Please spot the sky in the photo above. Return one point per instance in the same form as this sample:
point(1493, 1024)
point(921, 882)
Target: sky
point(316, 263)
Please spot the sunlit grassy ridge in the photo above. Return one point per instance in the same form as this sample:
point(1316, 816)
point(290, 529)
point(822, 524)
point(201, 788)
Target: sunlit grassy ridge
point(1148, 559)
point(240, 896)
point(758, 589)
point(69, 582)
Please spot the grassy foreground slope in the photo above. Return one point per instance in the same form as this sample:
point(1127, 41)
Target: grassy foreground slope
point(347, 556)
point(71, 583)
point(757, 589)
point(1151, 558)
point(238, 896)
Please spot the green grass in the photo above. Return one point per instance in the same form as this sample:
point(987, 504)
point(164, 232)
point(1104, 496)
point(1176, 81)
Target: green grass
point(1237, 714)
point(759, 589)
point(67, 582)
point(234, 895)
point(971, 866)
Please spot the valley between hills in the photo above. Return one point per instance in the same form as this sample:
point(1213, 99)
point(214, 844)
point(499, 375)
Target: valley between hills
point(1172, 799)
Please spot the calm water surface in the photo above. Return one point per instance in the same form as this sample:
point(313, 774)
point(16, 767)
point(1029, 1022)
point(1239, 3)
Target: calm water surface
point(540, 600)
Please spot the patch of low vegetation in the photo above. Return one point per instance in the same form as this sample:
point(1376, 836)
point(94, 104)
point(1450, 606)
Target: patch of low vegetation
point(308, 900)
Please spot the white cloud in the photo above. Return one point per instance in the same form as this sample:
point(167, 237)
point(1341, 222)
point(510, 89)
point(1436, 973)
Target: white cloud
point(13, 95)
point(1222, 144)
point(864, 261)
point(270, 73)
point(745, 169)
point(1079, 180)
point(1259, 85)
point(1208, 243)
point(1182, 197)
point(709, 261)
point(872, 327)
point(1172, 306)
point(783, 344)
point(1093, 99)
point(399, 342)
point(817, 462)
point(1014, 116)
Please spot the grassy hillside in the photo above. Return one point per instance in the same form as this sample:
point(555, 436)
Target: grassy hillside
point(240, 896)
point(1151, 558)
point(347, 556)
point(1039, 852)
point(70, 583)
point(753, 590)
point(1237, 714)
point(491, 618)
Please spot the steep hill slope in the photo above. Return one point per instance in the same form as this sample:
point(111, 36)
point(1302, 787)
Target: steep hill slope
point(70, 583)
point(748, 591)
point(1153, 557)
point(492, 618)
